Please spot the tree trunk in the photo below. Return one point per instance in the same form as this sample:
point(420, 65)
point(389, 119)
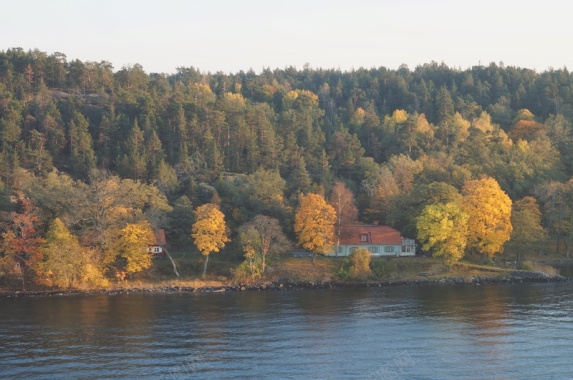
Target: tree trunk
point(313, 258)
point(337, 244)
point(172, 263)
point(22, 277)
point(519, 260)
point(339, 229)
point(263, 263)
point(205, 265)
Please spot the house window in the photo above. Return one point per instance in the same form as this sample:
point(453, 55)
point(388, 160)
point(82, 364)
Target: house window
point(373, 249)
point(363, 237)
point(388, 249)
point(340, 249)
point(353, 249)
point(156, 249)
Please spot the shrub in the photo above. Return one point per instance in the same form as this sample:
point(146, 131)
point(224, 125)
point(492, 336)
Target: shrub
point(248, 271)
point(356, 265)
point(385, 268)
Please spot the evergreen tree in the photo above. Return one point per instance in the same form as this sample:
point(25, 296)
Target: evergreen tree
point(81, 150)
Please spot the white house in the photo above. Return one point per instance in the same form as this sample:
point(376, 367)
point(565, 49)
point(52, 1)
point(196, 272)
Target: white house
point(379, 240)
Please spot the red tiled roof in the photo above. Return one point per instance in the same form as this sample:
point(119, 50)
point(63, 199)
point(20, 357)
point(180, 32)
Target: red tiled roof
point(375, 235)
point(160, 237)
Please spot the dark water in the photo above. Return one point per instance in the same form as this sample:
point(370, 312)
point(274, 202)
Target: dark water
point(520, 331)
point(564, 268)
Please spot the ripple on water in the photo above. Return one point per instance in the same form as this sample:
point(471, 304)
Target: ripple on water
point(429, 332)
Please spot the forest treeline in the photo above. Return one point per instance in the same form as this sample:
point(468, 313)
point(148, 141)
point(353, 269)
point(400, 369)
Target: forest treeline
point(88, 150)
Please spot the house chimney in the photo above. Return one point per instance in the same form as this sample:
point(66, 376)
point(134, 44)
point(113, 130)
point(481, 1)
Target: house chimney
point(375, 223)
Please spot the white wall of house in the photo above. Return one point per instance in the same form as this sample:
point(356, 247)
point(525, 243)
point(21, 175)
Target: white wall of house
point(408, 247)
point(154, 249)
point(375, 249)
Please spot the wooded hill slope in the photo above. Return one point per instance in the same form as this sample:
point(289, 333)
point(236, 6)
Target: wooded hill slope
point(73, 133)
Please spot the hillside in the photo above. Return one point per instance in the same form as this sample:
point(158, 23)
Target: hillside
point(102, 149)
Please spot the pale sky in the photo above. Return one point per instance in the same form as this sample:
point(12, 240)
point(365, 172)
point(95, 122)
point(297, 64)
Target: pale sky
point(233, 35)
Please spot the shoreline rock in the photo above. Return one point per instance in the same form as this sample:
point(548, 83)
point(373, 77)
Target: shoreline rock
point(515, 278)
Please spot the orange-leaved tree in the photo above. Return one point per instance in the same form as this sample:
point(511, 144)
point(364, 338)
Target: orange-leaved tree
point(20, 239)
point(209, 231)
point(314, 224)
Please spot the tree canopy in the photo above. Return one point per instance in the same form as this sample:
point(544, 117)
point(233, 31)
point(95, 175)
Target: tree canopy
point(314, 224)
point(489, 211)
point(102, 148)
point(443, 229)
point(209, 231)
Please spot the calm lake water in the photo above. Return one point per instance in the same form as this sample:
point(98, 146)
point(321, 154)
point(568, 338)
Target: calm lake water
point(404, 332)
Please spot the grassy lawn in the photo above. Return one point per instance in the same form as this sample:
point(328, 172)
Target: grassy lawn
point(189, 266)
point(296, 269)
point(384, 268)
point(291, 269)
point(221, 267)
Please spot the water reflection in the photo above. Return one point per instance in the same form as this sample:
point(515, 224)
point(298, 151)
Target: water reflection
point(343, 333)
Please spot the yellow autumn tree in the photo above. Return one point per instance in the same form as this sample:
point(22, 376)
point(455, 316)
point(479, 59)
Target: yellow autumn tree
point(209, 231)
point(400, 116)
point(234, 101)
point(314, 224)
point(201, 93)
point(65, 263)
point(132, 244)
point(357, 118)
point(461, 125)
point(489, 211)
point(483, 123)
point(442, 229)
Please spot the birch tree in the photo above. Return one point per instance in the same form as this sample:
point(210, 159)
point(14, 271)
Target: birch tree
point(209, 231)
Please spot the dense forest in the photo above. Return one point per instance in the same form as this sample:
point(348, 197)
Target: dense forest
point(87, 151)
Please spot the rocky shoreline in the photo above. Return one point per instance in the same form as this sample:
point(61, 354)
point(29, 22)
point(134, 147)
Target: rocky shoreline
point(513, 278)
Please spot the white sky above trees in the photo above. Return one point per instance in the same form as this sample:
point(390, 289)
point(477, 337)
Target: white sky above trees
point(233, 35)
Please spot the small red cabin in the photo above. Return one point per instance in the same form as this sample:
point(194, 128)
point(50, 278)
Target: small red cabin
point(158, 249)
